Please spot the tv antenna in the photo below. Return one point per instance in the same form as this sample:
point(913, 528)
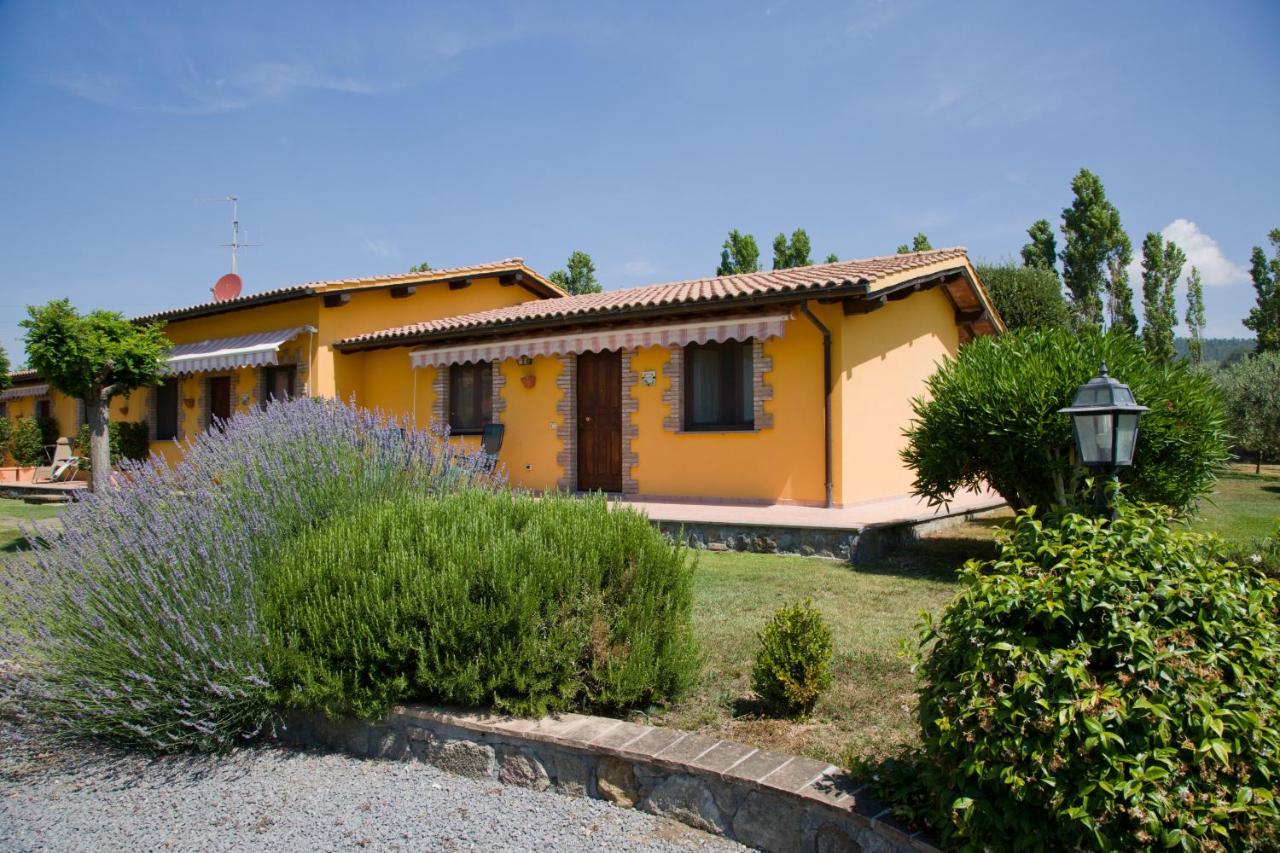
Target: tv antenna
point(237, 243)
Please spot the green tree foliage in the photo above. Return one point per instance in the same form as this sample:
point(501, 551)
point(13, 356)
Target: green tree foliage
point(1103, 686)
point(990, 415)
point(94, 358)
point(527, 603)
point(1217, 350)
point(832, 258)
point(1161, 268)
point(793, 252)
point(5, 381)
point(793, 664)
point(1042, 250)
point(1094, 236)
point(1264, 317)
point(919, 243)
point(580, 277)
point(1119, 293)
point(740, 254)
point(1027, 296)
point(422, 267)
point(1195, 317)
point(1251, 389)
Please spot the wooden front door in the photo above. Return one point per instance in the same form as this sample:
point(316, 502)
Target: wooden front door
point(600, 421)
point(219, 399)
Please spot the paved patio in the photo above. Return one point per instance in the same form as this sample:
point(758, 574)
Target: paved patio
point(860, 533)
point(906, 510)
point(42, 492)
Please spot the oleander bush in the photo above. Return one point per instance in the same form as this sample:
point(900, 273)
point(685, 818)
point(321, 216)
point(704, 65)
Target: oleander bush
point(1102, 686)
point(127, 440)
point(991, 417)
point(138, 622)
point(6, 435)
point(793, 664)
point(479, 597)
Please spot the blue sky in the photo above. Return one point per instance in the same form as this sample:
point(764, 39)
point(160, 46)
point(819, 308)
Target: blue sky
point(363, 138)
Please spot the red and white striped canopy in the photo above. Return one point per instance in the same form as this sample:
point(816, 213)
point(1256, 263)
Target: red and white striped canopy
point(762, 326)
point(19, 391)
point(256, 350)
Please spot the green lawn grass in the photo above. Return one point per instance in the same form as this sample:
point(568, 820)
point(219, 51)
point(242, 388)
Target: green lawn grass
point(873, 611)
point(14, 513)
point(1245, 506)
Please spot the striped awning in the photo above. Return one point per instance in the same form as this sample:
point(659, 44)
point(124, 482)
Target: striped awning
point(24, 391)
point(706, 331)
point(256, 350)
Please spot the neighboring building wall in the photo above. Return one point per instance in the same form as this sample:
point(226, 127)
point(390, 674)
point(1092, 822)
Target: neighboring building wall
point(884, 359)
point(374, 309)
point(782, 461)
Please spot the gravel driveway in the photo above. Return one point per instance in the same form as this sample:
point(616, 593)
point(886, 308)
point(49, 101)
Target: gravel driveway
point(278, 799)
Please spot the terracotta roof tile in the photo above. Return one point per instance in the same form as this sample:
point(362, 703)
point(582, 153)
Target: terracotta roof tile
point(314, 287)
point(702, 290)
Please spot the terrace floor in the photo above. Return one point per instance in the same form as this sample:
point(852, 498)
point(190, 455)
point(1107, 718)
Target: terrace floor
point(858, 533)
point(887, 512)
point(41, 492)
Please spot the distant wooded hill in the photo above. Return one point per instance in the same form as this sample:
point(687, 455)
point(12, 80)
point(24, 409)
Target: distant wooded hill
point(1217, 349)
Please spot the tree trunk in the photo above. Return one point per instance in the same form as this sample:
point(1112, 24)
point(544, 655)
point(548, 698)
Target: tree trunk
point(1257, 463)
point(97, 411)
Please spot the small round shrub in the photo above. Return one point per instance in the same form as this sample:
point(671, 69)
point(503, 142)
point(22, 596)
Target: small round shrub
point(1104, 686)
point(480, 598)
point(793, 665)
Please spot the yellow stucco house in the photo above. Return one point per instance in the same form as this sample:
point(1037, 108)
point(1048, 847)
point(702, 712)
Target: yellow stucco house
point(790, 386)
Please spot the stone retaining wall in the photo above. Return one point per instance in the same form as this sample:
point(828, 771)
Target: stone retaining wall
point(764, 800)
point(853, 544)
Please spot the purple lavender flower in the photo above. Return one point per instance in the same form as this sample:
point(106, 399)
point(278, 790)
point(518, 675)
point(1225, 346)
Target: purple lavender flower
point(137, 619)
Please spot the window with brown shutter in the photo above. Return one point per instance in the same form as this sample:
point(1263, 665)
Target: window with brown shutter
point(277, 382)
point(167, 410)
point(470, 397)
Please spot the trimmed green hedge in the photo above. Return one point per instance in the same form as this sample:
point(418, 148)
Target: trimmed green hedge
point(476, 598)
point(30, 435)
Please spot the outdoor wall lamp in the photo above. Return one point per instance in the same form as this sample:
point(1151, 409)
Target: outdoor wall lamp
point(1104, 418)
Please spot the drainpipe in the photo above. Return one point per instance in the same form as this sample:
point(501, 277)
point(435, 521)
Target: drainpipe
point(826, 393)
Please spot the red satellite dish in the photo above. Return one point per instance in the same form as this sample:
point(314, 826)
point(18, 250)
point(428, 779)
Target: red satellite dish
point(227, 287)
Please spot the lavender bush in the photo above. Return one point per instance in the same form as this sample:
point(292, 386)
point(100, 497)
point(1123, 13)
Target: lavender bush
point(137, 621)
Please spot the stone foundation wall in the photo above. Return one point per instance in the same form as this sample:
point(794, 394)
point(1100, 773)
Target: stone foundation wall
point(772, 802)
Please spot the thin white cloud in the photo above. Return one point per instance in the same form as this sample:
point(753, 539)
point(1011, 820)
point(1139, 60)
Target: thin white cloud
point(200, 63)
point(1203, 253)
point(636, 269)
point(380, 248)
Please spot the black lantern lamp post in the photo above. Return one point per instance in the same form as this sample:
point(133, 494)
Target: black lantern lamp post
point(1104, 417)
